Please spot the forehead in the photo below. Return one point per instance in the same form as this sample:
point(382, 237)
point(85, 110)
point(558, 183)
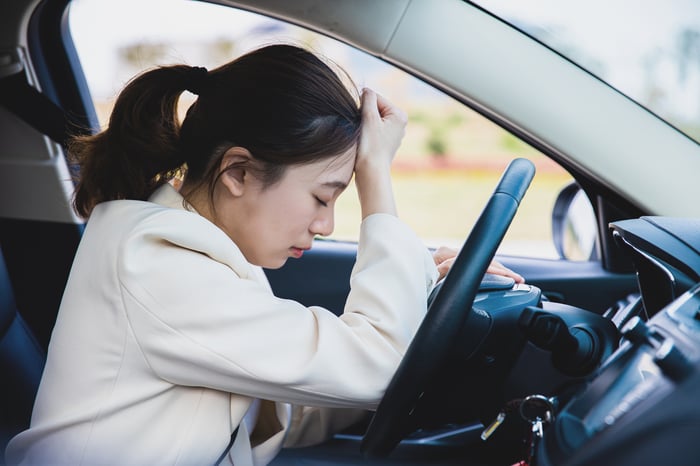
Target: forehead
point(331, 170)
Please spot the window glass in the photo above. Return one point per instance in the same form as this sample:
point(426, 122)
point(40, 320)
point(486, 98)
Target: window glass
point(448, 164)
point(647, 49)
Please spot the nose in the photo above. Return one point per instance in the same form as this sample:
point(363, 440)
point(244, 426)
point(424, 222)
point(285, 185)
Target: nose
point(323, 224)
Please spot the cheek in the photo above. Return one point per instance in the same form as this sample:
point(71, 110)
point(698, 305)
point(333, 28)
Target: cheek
point(301, 215)
point(293, 212)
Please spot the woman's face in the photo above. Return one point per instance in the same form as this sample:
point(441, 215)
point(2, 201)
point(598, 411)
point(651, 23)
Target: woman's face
point(277, 222)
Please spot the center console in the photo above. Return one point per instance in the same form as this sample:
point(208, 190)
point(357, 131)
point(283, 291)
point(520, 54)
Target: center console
point(643, 405)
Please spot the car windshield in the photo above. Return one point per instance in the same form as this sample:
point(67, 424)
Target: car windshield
point(647, 49)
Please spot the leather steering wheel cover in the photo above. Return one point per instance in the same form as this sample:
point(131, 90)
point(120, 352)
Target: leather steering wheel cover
point(447, 313)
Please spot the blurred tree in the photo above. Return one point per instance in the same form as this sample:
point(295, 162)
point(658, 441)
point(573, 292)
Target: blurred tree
point(221, 50)
point(689, 52)
point(512, 144)
point(142, 54)
point(438, 128)
point(689, 61)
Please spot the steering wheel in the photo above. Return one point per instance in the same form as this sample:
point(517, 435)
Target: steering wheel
point(447, 314)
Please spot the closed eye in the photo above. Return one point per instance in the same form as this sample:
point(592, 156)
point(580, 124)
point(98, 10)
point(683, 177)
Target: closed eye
point(323, 203)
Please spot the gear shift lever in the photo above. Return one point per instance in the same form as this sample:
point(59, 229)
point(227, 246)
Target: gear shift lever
point(575, 351)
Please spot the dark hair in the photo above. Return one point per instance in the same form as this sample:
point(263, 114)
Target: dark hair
point(282, 103)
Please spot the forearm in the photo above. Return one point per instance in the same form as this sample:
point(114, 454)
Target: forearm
point(375, 191)
point(383, 126)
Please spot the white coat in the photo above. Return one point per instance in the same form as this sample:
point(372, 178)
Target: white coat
point(166, 335)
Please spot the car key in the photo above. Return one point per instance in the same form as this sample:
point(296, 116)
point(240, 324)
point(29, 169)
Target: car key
point(494, 425)
point(500, 418)
point(537, 410)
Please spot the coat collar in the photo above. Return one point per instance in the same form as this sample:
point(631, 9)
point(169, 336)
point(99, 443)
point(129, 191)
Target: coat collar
point(167, 196)
point(223, 250)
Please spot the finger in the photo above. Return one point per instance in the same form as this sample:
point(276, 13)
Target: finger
point(501, 269)
point(497, 266)
point(443, 253)
point(383, 105)
point(387, 109)
point(369, 103)
point(498, 269)
point(443, 268)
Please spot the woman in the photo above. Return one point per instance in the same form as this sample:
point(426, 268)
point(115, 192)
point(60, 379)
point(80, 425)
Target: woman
point(168, 333)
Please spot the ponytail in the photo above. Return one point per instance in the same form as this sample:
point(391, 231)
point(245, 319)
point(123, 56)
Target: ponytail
point(139, 150)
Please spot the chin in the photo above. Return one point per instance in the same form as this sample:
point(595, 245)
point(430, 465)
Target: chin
point(274, 264)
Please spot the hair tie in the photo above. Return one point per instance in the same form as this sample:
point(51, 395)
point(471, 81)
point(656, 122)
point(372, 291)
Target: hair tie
point(196, 79)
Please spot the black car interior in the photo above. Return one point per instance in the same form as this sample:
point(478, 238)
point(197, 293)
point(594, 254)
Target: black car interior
point(21, 363)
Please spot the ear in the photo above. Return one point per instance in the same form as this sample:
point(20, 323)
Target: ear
point(234, 170)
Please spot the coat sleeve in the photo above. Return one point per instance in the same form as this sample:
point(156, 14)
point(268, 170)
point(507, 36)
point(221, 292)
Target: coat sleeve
point(200, 323)
point(310, 425)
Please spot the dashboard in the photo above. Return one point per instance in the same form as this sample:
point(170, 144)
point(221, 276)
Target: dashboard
point(641, 406)
point(666, 255)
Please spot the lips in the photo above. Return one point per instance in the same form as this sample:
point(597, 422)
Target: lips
point(298, 252)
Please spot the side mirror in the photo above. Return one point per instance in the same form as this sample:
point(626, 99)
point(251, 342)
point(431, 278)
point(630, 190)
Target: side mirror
point(574, 226)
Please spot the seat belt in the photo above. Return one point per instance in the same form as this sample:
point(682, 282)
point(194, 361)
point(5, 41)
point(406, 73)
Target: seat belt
point(30, 105)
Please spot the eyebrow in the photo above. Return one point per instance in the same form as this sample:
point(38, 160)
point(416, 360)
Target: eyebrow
point(335, 184)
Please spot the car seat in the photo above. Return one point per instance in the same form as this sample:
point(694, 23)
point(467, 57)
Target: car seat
point(21, 364)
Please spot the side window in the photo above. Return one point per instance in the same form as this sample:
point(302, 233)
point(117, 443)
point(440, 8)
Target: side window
point(451, 157)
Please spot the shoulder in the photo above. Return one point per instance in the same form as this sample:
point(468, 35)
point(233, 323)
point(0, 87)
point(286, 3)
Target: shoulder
point(127, 218)
point(164, 209)
point(146, 230)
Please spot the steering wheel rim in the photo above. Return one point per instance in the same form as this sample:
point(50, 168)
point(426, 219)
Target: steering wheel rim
point(447, 313)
